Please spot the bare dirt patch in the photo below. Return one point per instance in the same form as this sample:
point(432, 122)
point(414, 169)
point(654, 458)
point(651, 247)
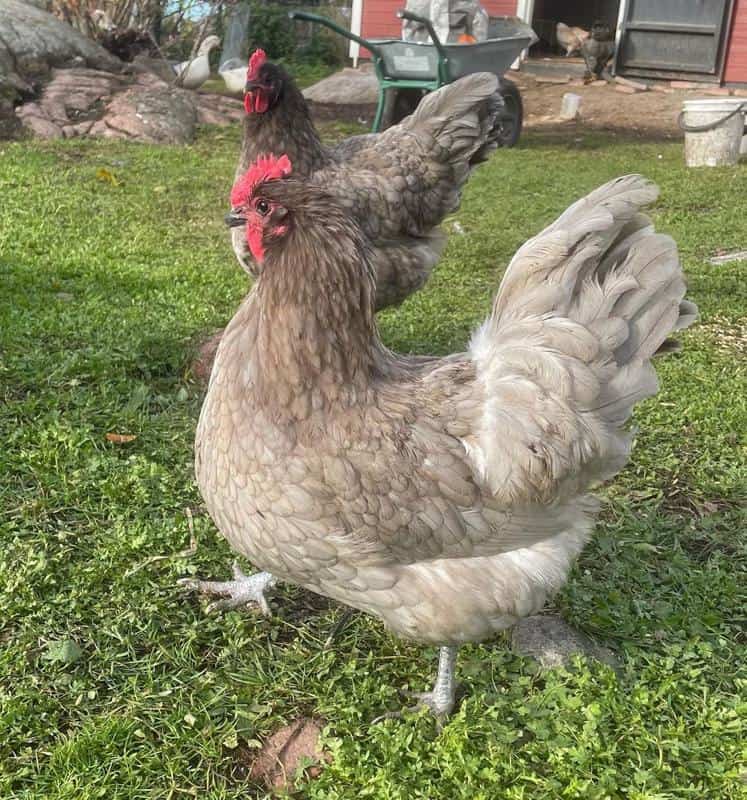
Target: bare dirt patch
point(293, 752)
point(650, 115)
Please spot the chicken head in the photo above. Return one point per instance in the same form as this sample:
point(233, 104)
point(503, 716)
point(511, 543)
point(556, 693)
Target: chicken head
point(264, 84)
point(264, 219)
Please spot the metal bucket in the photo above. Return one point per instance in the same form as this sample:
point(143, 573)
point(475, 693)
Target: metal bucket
point(713, 131)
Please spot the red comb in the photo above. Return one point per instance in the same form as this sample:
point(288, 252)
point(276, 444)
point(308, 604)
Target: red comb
point(265, 168)
point(257, 58)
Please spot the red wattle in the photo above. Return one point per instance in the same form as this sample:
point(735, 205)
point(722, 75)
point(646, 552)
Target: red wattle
point(256, 102)
point(254, 240)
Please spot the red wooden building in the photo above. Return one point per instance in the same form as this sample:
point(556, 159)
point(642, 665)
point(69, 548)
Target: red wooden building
point(700, 40)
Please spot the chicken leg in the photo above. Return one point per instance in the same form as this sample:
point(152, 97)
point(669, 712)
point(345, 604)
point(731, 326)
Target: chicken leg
point(241, 591)
point(441, 699)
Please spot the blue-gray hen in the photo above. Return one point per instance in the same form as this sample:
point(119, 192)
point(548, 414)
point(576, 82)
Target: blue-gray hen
point(448, 497)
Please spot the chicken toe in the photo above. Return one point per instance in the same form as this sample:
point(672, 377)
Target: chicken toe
point(243, 590)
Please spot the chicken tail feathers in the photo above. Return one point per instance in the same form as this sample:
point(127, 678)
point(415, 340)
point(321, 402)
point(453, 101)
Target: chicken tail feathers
point(566, 353)
point(459, 118)
point(492, 110)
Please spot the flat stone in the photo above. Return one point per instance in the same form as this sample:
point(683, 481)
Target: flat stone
point(99, 128)
point(552, 642)
point(599, 83)
point(30, 110)
point(638, 85)
point(42, 127)
point(719, 91)
point(347, 87)
point(81, 129)
point(552, 78)
point(662, 88)
point(690, 85)
point(626, 89)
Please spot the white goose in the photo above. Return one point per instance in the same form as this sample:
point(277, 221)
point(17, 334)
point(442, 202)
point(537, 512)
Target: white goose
point(196, 70)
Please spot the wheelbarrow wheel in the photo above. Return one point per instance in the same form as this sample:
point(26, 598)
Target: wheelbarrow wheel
point(510, 120)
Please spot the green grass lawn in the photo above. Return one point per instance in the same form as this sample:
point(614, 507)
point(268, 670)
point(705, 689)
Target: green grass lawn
point(115, 685)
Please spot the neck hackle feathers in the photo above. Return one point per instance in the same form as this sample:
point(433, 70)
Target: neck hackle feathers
point(265, 168)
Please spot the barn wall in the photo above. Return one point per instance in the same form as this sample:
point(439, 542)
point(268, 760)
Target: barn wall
point(735, 69)
point(379, 16)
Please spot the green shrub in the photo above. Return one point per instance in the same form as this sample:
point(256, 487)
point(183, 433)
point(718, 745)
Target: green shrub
point(297, 42)
point(270, 29)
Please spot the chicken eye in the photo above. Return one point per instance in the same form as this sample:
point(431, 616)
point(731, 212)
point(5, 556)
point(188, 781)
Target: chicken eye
point(263, 207)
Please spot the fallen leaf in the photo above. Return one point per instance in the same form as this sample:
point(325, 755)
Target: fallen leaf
point(62, 651)
point(231, 742)
point(120, 438)
point(105, 175)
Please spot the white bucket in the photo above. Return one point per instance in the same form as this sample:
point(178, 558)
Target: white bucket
point(233, 73)
point(713, 131)
point(571, 106)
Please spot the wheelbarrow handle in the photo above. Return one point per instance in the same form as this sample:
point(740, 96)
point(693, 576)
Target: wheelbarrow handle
point(333, 26)
point(403, 13)
point(443, 56)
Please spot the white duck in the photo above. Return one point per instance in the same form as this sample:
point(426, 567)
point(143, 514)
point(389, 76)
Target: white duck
point(191, 74)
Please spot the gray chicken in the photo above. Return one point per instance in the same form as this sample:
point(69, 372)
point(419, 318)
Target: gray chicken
point(399, 184)
point(446, 496)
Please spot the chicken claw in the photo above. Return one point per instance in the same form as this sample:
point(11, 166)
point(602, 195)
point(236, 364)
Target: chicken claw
point(243, 590)
point(440, 702)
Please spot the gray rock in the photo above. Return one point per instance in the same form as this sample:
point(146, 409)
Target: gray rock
point(347, 87)
point(32, 41)
point(552, 642)
point(152, 113)
point(89, 102)
point(156, 66)
point(38, 123)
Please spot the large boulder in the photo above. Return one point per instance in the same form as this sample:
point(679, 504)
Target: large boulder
point(150, 111)
point(88, 102)
point(347, 87)
point(32, 41)
point(83, 90)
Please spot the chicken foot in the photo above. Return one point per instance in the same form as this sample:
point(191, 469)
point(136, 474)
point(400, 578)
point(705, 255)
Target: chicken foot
point(441, 699)
point(241, 591)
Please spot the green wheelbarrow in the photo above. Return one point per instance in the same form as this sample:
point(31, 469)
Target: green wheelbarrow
point(407, 70)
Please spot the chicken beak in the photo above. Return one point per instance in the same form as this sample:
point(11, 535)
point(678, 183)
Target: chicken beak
point(233, 219)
